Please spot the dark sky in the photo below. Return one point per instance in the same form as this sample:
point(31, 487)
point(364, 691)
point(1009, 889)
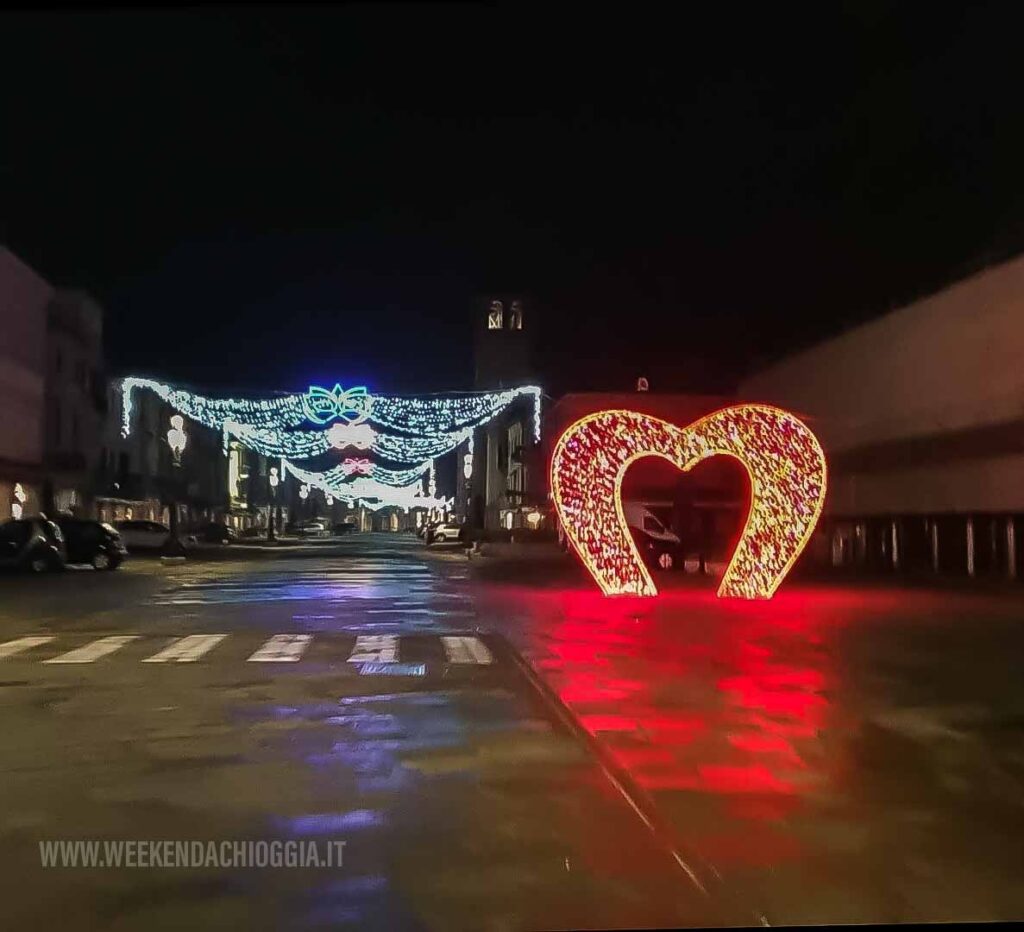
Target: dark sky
point(270, 198)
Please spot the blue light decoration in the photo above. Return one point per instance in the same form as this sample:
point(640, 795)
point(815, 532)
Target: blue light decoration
point(407, 431)
point(323, 406)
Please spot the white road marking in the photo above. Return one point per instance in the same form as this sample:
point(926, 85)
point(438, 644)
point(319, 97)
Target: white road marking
point(374, 648)
point(282, 648)
point(466, 650)
point(439, 612)
point(187, 649)
point(10, 648)
point(95, 649)
point(393, 669)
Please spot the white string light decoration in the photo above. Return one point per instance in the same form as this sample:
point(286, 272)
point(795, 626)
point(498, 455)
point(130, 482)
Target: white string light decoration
point(408, 431)
point(367, 491)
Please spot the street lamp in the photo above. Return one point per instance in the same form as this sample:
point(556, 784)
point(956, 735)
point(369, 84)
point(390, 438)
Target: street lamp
point(272, 517)
point(18, 506)
point(176, 437)
point(177, 441)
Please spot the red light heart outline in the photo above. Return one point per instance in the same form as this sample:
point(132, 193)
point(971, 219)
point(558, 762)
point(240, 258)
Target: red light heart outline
point(782, 457)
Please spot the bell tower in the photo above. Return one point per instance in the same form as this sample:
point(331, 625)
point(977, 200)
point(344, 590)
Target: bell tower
point(494, 479)
point(503, 328)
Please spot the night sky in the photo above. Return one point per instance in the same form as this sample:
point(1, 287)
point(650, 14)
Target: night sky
point(267, 199)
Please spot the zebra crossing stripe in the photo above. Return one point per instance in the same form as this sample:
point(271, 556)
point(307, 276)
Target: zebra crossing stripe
point(186, 649)
point(95, 649)
point(10, 648)
point(374, 648)
point(372, 651)
point(466, 650)
point(282, 648)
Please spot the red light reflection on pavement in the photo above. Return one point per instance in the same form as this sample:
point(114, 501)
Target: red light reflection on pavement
point(713, 707)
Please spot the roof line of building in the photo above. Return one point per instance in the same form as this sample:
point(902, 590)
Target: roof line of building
point(967, 272)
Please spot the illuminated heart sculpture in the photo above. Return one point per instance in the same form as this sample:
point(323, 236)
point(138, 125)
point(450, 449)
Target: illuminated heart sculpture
point(783, 458)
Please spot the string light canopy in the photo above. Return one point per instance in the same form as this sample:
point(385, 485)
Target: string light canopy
point(781, 455)
point(409, 432)
point(366, 492)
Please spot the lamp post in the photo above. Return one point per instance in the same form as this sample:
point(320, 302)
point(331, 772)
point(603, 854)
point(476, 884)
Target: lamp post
point(271, 516)
point(177, 440)
point(18, 505)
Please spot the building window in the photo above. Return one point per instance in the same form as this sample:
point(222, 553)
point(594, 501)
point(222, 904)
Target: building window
point(515, 443)
point(235, 473)
point(515, 473)
point(515, 317)
point(496, 316)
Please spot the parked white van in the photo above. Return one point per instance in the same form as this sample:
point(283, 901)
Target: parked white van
point(659, 546)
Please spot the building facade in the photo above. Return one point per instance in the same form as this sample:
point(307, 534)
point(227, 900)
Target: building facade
point(75, 402)
point(921, 414)
point(138, 476)
point(24, 297)
point(51, 373)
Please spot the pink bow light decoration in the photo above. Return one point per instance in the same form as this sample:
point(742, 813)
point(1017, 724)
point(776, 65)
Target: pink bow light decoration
point(356, 467)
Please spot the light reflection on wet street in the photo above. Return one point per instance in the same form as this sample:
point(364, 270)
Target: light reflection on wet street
point(835, 755)
point(840, 755)
point(376, 715)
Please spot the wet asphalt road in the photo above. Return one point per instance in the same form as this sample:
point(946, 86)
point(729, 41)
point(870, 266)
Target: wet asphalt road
point(336, 695)
point(839, 754)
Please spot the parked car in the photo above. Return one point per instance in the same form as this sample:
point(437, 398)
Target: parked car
point(345, 527)
point(214, 532)
point(311, 528)
point(92, 542)
point(659, 547)
point(446, 532)
point(143, 535)
point(426, 526)
point(257, 531)
point(33, 544)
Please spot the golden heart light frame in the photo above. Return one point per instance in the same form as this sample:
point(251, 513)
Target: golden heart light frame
point(788, 478)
